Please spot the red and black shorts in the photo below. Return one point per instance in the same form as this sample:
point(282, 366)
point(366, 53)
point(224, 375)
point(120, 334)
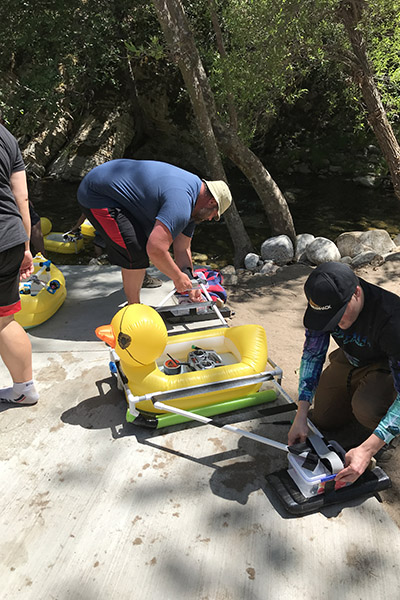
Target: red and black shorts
point(10, 263)
point(124, 237)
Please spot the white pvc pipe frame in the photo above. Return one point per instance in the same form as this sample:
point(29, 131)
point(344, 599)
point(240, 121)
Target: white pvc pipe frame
point(235, 382)
point(232, 428)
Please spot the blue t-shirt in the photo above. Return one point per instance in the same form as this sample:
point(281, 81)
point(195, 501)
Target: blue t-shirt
point(147, 189)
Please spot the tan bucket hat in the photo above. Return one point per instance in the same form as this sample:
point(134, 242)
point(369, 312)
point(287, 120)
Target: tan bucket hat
point(221, 194)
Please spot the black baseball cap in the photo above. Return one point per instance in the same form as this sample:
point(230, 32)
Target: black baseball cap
point(329, 289)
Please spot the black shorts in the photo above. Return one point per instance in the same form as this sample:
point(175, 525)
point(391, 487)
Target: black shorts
point(123, 236)
point(10, 263)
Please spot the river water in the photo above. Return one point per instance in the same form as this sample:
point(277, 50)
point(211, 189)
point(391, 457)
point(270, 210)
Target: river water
point(322, 207)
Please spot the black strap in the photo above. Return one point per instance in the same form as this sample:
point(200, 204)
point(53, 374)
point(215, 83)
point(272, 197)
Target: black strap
point(315, 449)
point(276, 410)
point(302, 449)
point(329, 457)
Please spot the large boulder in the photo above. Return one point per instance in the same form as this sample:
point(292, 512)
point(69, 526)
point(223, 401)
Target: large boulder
point(378, 240)
point(349, 244)
point(279, 249)
point(353, 243)
point(302, 241)
point(322, 250)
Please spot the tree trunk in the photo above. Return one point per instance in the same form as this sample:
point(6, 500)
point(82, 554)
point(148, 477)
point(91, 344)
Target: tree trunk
point(269, 193)
point(182, 45)
point(350, 13)
point(272, 199)
point(175, 27)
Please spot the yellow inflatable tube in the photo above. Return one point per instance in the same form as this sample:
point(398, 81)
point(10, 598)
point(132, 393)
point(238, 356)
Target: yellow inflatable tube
point(55, 241)
point(87, 229)
point(139, 336)
point(42, 294)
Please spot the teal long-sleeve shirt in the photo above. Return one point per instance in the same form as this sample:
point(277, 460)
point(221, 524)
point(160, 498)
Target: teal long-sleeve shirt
point(314, 353)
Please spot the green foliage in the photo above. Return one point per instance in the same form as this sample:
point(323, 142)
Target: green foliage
point(381, 29)
point(285, 60)
point(281, 53)
point(58, 56)
point(273, 46)
point(153, 49)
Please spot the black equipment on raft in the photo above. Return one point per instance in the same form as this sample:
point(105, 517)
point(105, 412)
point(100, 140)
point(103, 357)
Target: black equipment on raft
point(199, 359)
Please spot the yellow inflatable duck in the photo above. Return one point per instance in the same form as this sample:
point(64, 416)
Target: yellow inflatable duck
point(140, 339)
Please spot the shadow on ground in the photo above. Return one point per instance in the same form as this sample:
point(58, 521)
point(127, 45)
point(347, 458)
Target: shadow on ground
point(236, 473)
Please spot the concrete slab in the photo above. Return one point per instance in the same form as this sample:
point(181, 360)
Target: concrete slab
point(94, 295)
point(93, 507)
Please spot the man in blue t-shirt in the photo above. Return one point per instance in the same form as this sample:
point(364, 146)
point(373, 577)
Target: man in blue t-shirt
point(15, 263)
point(141, 208)
point(362, 381)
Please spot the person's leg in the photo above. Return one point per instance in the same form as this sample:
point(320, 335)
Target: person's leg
point(16, 352)
point(37, 239)
point(99, 244)
point(15, 347)
point(37, 242)
point(332, 402)
point(374, 394)
point(132, 280)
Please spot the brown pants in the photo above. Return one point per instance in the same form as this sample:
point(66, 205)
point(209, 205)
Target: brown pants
point(345, 392)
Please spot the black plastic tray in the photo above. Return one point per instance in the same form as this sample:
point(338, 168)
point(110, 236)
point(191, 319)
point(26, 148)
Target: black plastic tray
point(369, 484)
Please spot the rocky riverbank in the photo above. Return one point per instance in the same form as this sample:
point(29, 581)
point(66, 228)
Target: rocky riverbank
point(355, 248)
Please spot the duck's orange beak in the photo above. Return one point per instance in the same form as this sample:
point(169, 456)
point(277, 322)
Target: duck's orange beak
point(105, 333)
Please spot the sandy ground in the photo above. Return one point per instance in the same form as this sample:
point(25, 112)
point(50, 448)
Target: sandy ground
point(278, 303)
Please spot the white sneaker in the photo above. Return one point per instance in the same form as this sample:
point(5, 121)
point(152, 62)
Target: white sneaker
point(22, 400)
